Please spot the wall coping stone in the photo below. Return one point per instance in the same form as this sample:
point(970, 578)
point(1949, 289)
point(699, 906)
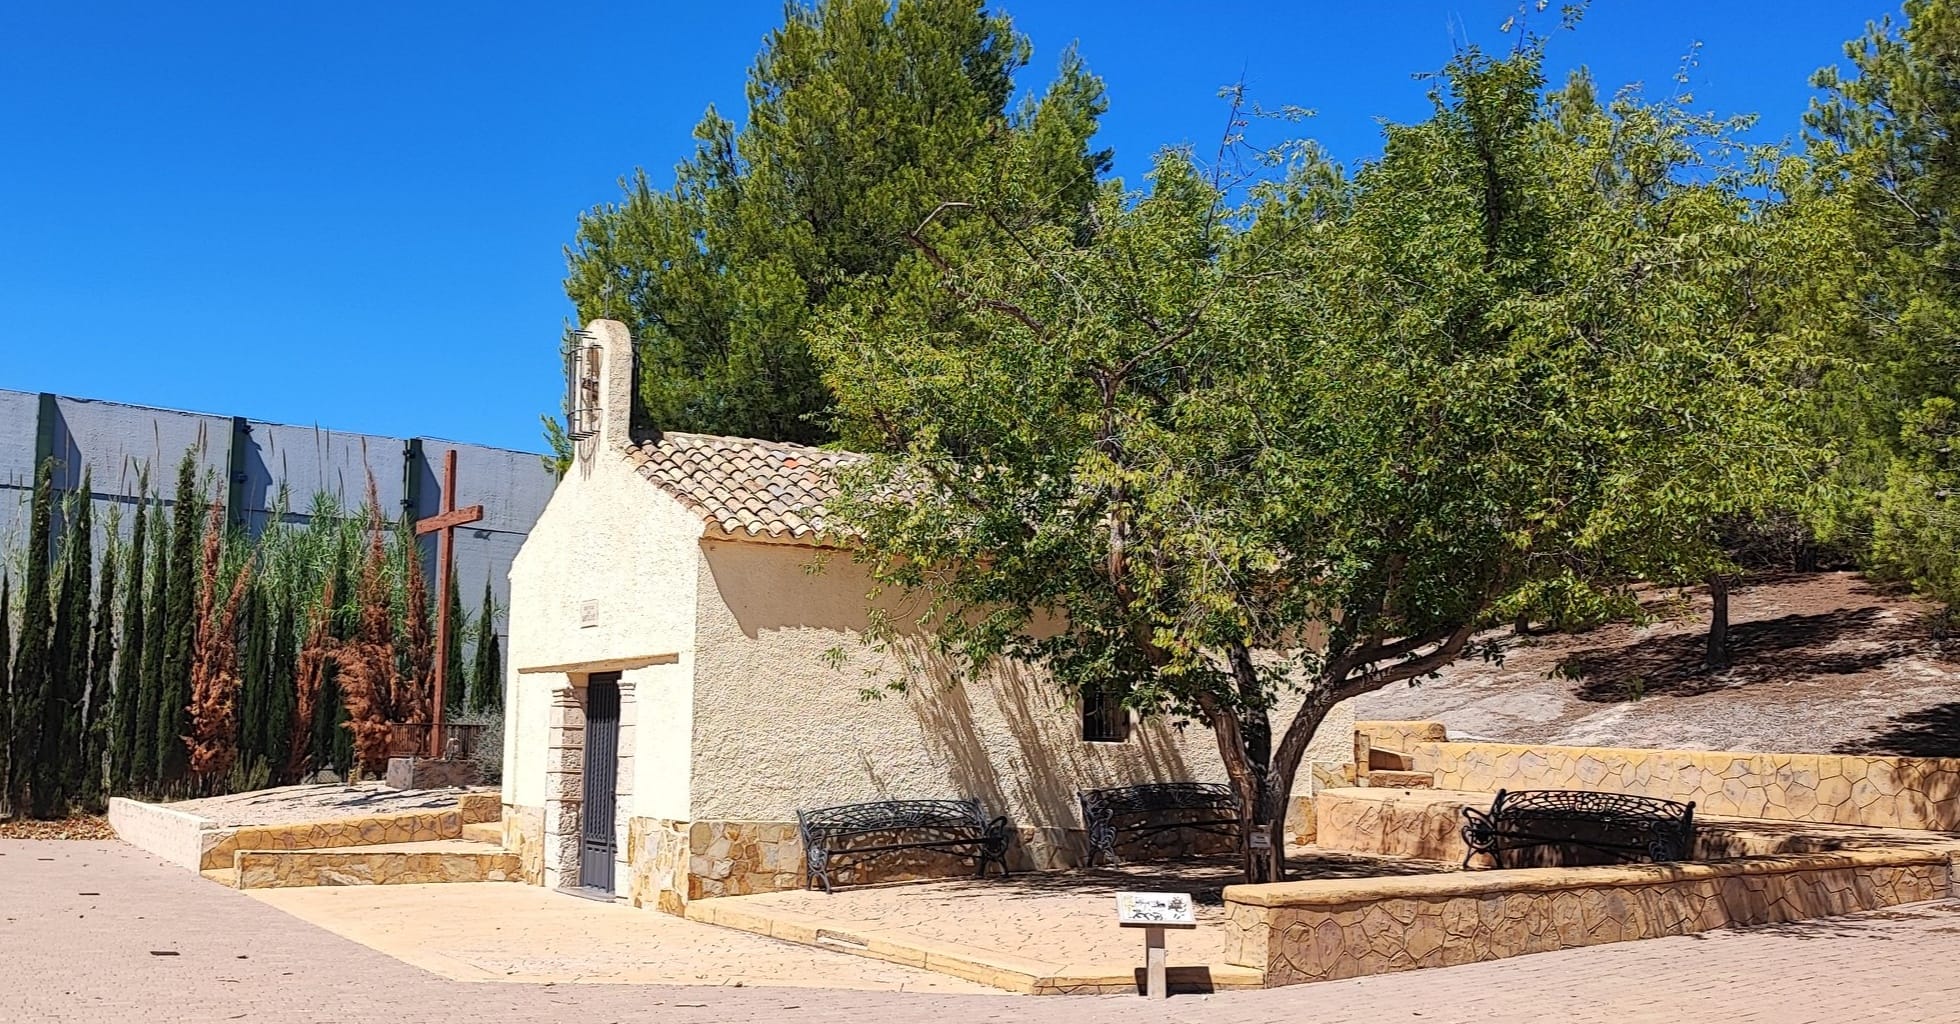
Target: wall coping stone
point(1345, 892)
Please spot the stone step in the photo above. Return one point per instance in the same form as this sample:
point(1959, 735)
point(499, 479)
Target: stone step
point(491, 832)
point(1382, 779)
point(449, 860)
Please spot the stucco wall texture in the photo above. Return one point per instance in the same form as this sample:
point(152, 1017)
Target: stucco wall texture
point(749, 676)
point(753, 717)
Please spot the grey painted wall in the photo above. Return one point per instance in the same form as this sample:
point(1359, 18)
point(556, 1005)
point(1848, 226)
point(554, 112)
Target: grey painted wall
point(246, 463)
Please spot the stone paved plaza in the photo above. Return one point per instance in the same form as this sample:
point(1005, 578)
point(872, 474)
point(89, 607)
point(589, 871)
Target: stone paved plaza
point(80, 922)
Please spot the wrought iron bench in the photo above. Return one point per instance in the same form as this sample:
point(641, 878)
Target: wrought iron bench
point(1153, 808)
point(1601, 827)
point(849, 834)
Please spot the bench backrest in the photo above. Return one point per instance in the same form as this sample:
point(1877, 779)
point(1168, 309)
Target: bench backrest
point(1614, 826)
point(1581, 802)
point(945, 817)
point(1200, 798)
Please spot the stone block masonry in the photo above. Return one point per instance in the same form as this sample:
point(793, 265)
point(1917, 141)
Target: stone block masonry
point(1325, 930)
point(1888, 792)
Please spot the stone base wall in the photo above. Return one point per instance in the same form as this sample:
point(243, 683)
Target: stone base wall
point(429, 773)
point(524, 837)
point(1889, 792)
point(1401, 736)
point(1393, 823)
point(1320, 931)
point(418, 827)
point(671, 863)
point(266, 869)
point(481, 806)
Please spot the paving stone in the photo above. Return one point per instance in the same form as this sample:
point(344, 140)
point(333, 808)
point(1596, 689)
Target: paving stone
point(73, 958)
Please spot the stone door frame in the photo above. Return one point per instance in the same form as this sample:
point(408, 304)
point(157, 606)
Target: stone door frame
point(564, 801)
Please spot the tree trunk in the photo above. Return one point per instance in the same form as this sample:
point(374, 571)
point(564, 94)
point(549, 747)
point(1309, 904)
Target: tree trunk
point(1717, 656)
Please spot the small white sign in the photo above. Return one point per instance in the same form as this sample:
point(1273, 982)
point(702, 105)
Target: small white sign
point(588, 614)
point(1155, 909)
point(1262, 841)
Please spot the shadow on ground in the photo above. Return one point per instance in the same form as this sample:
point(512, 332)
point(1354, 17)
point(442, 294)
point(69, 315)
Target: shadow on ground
point(1205, 880)
point(1768, 650)
point(1927, 732)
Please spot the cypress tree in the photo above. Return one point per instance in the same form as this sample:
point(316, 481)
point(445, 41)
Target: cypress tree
point(96, 708)
point(31, 668)
point(129, 662)
point(453, 685)
point(281, 698)
point(58, 768)
point(180, 627)
point(252, 670)
point(488, 692)
point(149, 694)
point(333, 744)
point(6, 689)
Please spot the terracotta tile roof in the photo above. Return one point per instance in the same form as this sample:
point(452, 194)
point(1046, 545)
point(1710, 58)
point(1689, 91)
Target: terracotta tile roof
point(747, 488)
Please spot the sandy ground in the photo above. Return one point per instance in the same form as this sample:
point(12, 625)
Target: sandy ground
point(314, 803)
point(1823, 662)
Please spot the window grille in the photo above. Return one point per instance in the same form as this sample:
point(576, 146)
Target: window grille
point(1104, 718)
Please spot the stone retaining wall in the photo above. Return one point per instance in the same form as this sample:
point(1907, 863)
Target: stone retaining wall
point(1323, 930)
point(198, 844)
point(416, 827)
point(175, 836)
point(270, 869)
point(1889, 792)
point(524, 836)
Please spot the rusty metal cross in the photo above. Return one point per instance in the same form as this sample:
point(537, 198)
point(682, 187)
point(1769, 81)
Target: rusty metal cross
point(444, 525)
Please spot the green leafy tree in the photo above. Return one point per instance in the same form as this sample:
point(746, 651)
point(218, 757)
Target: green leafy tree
point(180, 627)
point(487, 690)
point(129, 659)
point(1880, 203)
point(1239, 465)
point(862, 115)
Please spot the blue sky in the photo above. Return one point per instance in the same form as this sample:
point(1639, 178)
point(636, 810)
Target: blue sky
point(352, 214)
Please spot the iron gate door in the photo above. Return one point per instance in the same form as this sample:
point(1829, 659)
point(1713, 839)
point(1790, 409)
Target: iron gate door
point(597, 844)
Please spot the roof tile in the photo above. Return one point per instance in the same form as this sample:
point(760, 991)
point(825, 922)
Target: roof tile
point(746, 487)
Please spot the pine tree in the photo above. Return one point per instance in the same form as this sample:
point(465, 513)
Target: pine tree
point(454, 699)
point(180, 629)
point(32, 672)
point(149, 694)
point(129, 660)
point(863, 116)
point(97, 706)
point(59, 767)
point(6, 690)
point(487, 693)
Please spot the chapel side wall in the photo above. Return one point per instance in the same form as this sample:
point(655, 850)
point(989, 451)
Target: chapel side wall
point(610, 538)
point(777, 727)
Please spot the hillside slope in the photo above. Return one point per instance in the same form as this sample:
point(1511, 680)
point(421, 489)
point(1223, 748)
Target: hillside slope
point(1823, 662)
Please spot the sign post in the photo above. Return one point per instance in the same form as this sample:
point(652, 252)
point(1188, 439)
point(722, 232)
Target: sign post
point(1154, 912)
